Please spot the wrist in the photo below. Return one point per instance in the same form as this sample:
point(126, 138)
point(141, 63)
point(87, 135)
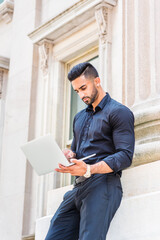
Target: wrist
point(92, 169)
point(88, 171)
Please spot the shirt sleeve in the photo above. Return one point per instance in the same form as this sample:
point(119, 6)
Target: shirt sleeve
point(73, 145)
point(122, 123)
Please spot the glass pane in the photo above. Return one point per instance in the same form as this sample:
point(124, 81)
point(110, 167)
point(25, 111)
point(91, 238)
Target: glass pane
point(76, 103)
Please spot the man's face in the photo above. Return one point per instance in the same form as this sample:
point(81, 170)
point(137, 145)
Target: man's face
point(86, 89)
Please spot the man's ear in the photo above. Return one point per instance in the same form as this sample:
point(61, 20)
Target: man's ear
point(97, 81)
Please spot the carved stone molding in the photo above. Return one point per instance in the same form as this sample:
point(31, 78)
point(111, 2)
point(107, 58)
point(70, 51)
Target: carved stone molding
point(147, 125)
point(71, 20)
point(4, 63)
point(44, 53)
point(28, 238)
point(6, 10)
point(102, 15)
point(147, 133)
point(1, 82)
point(4, 67)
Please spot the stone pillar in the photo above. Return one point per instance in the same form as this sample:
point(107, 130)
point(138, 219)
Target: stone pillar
point(103, 18)
point(45, 58)
point(4, 67)
point(142, 76)
point(1, 109)
point(43, 116)
point(1, 81)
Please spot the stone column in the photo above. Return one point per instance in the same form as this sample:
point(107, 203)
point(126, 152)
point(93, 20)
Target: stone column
point(103, 18)
point(143, 76)
point(1, 81)
point(4, 66)
point(45, 55)
point(1, 117)
point(43, 116)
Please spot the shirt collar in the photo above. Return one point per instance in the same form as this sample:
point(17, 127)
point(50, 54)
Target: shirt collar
point(101, 105)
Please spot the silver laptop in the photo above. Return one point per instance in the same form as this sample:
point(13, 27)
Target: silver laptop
point(44, 154)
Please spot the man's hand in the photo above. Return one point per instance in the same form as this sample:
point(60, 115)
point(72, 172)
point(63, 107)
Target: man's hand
point(69, 154)
point(78, 169)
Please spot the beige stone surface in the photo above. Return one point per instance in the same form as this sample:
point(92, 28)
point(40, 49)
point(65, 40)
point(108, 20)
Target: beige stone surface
point(42, 226)
point(137, 218)
point(55, 197)
point(139, 211)
point(49, 5)
point(116, 68)
point(141, 180)
point(11, 216)
point(5, 36)
point(17, 110)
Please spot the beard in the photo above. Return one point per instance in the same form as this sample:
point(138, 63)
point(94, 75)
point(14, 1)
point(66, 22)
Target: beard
point(90, 99)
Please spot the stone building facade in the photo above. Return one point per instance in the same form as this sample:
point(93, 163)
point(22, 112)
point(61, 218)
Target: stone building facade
point(40, 40)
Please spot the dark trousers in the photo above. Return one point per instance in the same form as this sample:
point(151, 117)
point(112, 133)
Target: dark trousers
point(87, 210)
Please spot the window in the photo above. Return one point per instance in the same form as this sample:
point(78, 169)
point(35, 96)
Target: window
point(1, 1)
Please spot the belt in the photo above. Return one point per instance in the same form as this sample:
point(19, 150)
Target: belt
point(80, 179)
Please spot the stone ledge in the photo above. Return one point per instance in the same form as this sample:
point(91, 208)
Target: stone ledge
point(137, 218)
point(139, 209)
point(42, 226)
point(55, 197)
point(6, 11)
point(136, 181)
point(139, 180)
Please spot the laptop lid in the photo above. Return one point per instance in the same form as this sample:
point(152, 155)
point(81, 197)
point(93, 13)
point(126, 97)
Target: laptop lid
point(44, 154)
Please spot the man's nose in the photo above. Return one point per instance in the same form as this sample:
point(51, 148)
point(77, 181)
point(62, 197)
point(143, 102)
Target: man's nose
point(81, 94)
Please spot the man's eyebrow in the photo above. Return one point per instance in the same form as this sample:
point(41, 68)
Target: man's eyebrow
point(80, 87)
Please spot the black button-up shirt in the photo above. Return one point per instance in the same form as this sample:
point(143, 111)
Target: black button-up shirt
point(108, 131)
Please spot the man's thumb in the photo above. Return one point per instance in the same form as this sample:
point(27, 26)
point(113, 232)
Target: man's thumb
point(73, 160)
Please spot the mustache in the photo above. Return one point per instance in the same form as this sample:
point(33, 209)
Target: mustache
point(85, 97)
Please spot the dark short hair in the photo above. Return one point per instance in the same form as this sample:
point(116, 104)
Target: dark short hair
point(85, 69)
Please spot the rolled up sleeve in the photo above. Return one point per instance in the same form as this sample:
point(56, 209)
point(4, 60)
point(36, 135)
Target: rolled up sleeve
point(122, 123)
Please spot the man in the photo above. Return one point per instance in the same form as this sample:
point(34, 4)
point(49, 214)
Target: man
point(105, 128)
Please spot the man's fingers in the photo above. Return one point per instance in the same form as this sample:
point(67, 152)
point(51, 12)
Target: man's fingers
point(68, 153)
point(73, 160)
point(62, 166)
point(74, 170)
point(64, 169)
point(71, 154)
